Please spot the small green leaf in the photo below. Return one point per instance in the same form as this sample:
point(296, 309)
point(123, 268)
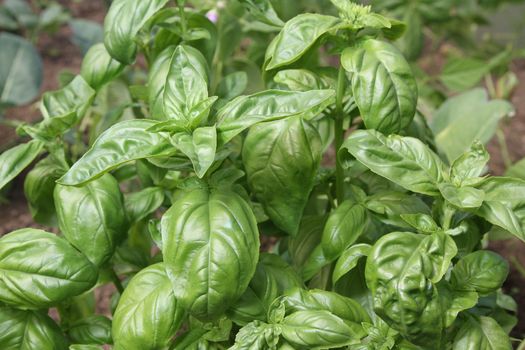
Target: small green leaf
point(349, 259)
point(343, 228)
point(470, 164)
point(200, 147)
point(16, 159)
point(462, 197)
point(142, 203)
point(94, 329)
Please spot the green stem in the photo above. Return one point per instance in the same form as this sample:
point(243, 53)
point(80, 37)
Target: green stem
point(339, 133)
point(504, 150)
point(448, 214)
point(182, 15)
point(116, 280)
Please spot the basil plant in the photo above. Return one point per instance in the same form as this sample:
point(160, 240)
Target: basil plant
point(225, 220)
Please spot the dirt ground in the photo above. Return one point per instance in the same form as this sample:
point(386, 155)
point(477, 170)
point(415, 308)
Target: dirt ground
point(59, 53)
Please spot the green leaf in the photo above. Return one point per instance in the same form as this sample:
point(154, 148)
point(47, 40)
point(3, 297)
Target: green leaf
point(257, 335)
point(463, 197)
point(390, 205)
point(125, 141)
point(23, 329)
point(85, 347)
point(98, 67)
point(272, 277)
point(210, 248)
point(465, 118)
point(124, 20)
point(482, 271)
point(200, 147)
point(20, 72)
point(504, 205)
point(297, 36)
point(308, 237)
point(319, 329)
point(460, 74)
point(422, 222)
point(64, 108)
point(349, 259)
point(401, 272)
point(92, 217)
point(86, 33)
point(232, 85)
point(16, 159)
point(470, 164)
point(343, 228)
point(383, 85)
point(39, 269)
point(405, 161)
point(281, 159)
point(144, 202)
point(301, 80)
point(517, 170)
point(262, 10)
point(481, 333)
point(148, 314)
point(349, 310)
point(94, 329)
point(186, 86)
point(39, 185)
point(158, 74)
point(245, 111)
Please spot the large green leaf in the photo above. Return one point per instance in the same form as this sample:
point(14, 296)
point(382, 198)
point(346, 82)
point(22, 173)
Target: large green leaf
point(125, 141)
point(297, 36)
point(24, 329)
point(124, 20)
point(383, 85)
point(148, 315)
point(402, 270)
point(270, 105)
point(20, 70)
point(16, 159)
point(92, 217)
point(343, 228)
point(465, 118)
point(98, 67)
point(210, 248)
point(158, 74)
point(281, 159)
point(481, 333)
point(405, 161)
point(39, 269)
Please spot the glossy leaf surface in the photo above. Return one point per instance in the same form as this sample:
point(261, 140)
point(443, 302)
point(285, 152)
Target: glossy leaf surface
point(16, 159)
point(39, 269)
point(98, 67)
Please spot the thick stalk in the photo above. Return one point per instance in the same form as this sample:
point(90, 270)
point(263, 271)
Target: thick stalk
point(339, 133)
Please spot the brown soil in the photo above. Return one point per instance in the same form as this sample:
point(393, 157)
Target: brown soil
point(60, 54)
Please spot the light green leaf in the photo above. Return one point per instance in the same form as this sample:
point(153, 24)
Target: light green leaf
point(481, 333)
point(94, 329)
point(465, 118)
point(142, 203)
point(349, 259)
point(460, 74)
point(200, 147)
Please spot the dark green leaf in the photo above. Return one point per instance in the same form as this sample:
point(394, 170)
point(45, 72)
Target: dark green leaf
point(95, 329)
point(142, 203)
point(481, 333)
point(349, 259)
